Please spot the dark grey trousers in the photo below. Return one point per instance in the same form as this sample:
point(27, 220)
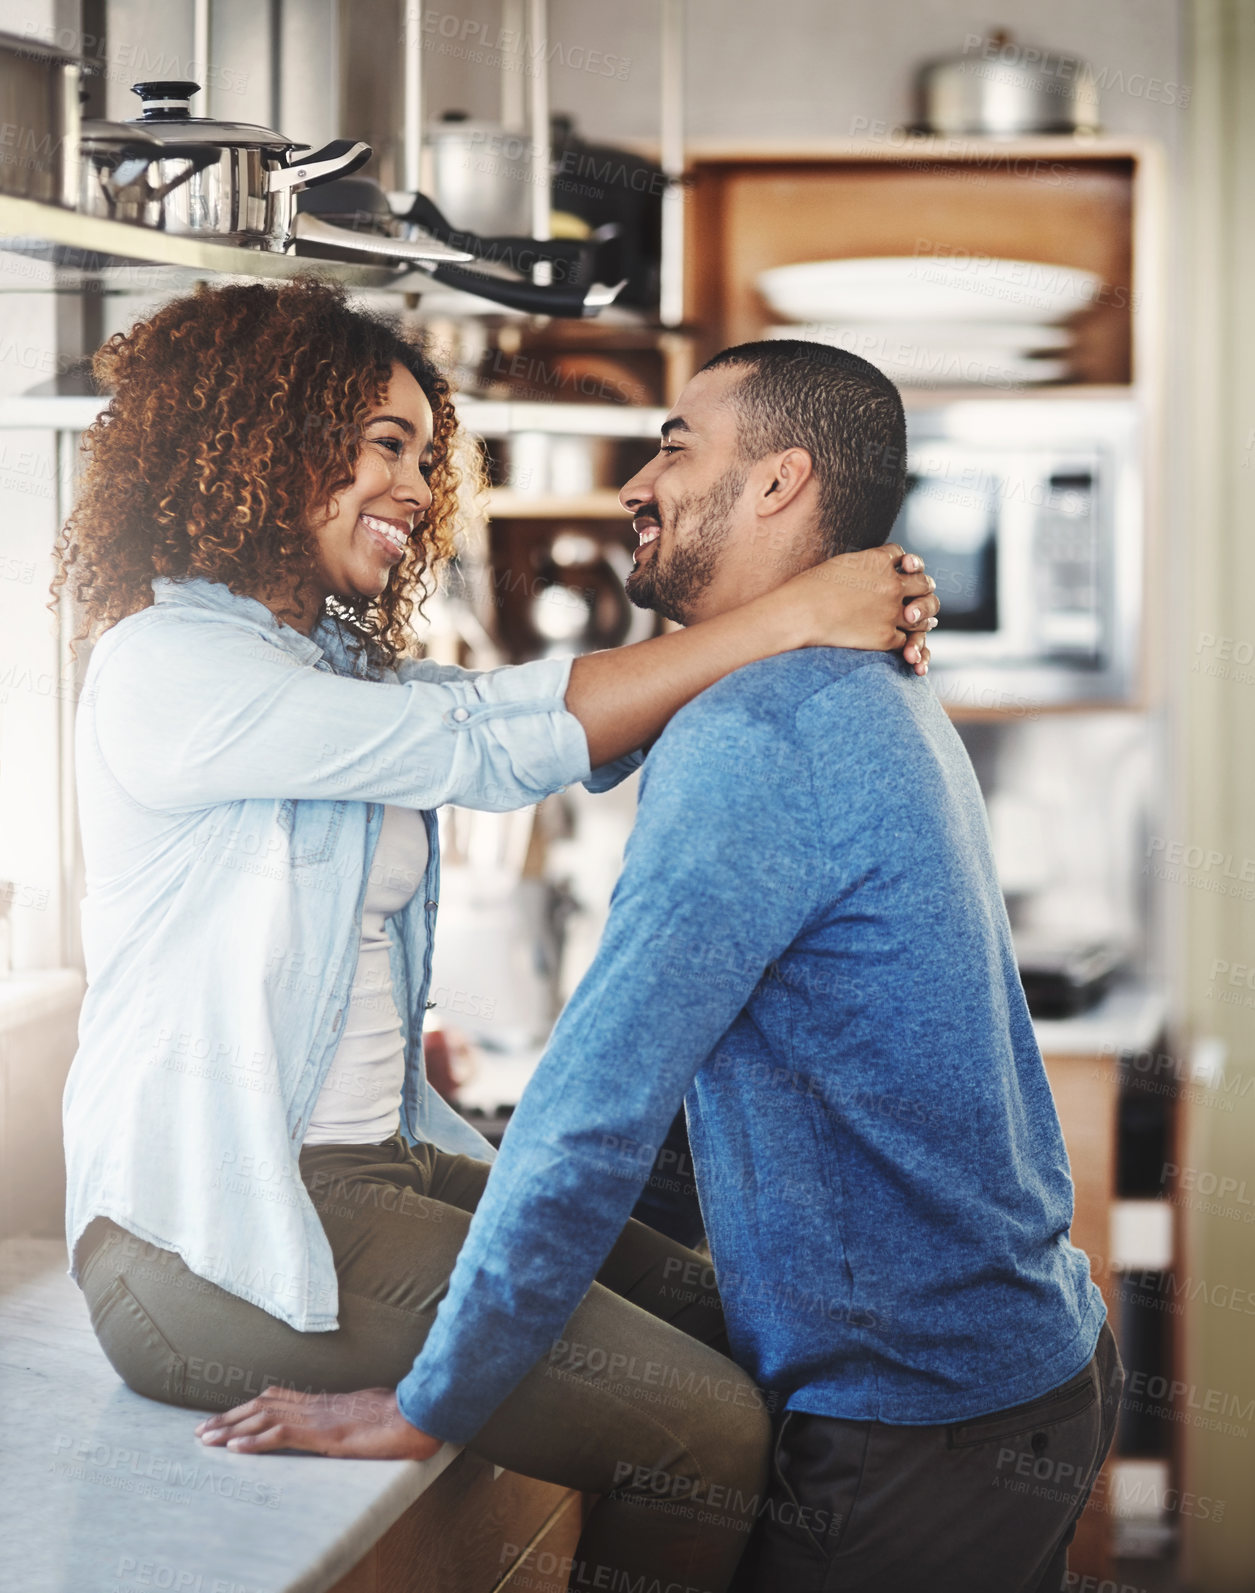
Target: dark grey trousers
point(983, 1506)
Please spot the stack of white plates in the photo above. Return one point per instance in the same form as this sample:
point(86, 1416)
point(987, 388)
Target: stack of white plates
point(931, 321)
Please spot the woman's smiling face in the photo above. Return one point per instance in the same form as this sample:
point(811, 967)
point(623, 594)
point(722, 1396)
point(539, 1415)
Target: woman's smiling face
point(368, 526)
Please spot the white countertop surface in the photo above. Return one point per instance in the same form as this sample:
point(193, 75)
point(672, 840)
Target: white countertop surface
point(1128, 1018)
point(102, 1491)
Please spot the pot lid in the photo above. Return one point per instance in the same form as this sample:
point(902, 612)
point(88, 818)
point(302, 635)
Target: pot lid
point(461, 125)
point(99, 134)
point(167, 115)
point(1001, 53)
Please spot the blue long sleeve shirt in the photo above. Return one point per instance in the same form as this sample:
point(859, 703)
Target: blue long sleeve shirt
point(808, 946)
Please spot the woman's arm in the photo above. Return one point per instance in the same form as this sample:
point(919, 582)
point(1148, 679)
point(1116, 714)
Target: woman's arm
point(625, 696)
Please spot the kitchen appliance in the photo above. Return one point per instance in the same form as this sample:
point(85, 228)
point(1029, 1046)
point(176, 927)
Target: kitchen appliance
point(1000, 87)
point(1064, 977)
point(39, 107)
point(1029, 516)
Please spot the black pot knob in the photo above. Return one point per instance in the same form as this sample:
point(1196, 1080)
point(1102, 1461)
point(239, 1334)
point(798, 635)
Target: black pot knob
point(166, 100)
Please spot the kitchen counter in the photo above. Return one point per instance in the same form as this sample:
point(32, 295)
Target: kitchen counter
point(1130, 1017)
point(103, 1491)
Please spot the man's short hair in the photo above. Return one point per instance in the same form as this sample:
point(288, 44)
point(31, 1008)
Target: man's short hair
point(845, 413)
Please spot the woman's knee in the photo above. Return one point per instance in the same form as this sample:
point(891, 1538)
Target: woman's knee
point(742, 1444)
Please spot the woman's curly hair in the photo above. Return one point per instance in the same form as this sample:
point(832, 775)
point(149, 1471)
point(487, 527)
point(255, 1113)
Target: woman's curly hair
point(236, 413)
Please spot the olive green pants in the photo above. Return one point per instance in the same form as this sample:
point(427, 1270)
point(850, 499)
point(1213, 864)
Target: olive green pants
point(636, 1402)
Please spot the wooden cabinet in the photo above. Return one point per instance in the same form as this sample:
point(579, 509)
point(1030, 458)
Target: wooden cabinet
point(1092, 1092)
point(474, 1530)
point(1087, 1097)
point(1094, 204)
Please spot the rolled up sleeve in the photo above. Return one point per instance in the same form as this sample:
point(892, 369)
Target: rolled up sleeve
point(195, 713)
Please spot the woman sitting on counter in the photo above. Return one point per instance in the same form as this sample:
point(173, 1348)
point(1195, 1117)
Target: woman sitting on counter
point(263, 1189)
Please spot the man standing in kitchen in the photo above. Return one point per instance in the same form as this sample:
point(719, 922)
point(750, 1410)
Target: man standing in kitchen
point(809, 947)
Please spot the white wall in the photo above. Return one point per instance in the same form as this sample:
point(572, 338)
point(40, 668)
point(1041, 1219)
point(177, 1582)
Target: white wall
point(804, 67)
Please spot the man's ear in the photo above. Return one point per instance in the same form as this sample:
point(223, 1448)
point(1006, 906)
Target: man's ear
point(781, 478)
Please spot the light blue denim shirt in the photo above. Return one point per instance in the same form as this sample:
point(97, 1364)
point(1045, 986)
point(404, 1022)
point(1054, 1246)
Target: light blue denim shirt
point(232, 774)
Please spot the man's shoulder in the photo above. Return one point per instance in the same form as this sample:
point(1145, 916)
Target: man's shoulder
point(774, 694)
point(762, 717)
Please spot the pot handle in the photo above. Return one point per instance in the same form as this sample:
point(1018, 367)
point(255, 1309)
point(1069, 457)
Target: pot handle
point(559, 300)
point(308, 168)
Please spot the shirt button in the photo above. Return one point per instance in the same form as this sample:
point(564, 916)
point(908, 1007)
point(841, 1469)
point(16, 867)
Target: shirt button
point(461, 713)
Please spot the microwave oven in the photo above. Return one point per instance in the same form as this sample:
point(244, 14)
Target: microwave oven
point(1029, 514)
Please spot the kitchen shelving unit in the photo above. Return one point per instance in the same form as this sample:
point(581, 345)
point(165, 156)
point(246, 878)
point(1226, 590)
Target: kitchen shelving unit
point(93, 244)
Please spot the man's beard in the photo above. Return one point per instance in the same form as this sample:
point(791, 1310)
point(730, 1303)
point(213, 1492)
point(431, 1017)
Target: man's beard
point(671, 588)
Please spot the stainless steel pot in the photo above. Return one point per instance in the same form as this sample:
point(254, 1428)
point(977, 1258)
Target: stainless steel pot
point(1005, 88)
point(481, 175)
point(39, 120)
point(248, 195)
point(127, 172)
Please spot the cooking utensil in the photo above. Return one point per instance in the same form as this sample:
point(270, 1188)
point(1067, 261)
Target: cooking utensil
point(248, 196)
point(568, 261)
point(119, 179)
point(609, 187)
point(1003, 88)
point(973, 287)
point(39, 102)
point(480, 174)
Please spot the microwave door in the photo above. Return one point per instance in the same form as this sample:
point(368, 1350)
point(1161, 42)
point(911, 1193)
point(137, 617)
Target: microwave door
point(950, 517)
point(1020, 489)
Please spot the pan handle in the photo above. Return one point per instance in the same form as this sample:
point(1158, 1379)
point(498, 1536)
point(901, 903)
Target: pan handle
point(558, 300)
point(308, 168)
point(574, 256)
point(313, 229)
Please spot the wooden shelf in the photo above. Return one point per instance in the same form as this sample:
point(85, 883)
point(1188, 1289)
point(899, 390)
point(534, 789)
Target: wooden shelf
point(506, 504)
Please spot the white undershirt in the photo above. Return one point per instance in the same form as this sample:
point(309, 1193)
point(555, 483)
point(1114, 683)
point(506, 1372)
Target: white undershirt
point(360, 1100)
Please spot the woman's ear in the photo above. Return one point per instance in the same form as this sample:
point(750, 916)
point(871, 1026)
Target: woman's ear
point(785, 476)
